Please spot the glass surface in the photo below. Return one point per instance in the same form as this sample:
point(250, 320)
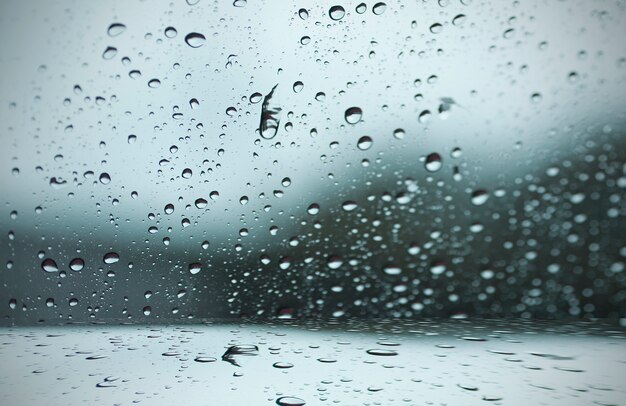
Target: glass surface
point(244, 163)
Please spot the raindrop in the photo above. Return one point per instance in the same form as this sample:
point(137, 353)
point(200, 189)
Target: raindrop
point(111, 258)
point(349, 205)
point(77, 264)
point(104, 178)
point(353, 115)
point(270, 115)
point(154, 83)
point(313, 209)
point(336, 13)
point(303, 13)
point(479, 197)
point(382, 352)
point(379, 8)
point(170, 32)
point(436, 28)
point(201, 203)
point(205, 359)
point(195, 39)
point(49, 265)
point(109, 53)
point(433, 162)
point(116, 29)
point(334, 262)
point(195, 268)
point(239, 350)
point(290, 401)
point(361, 8)
point(282, 365)
point(364, 143)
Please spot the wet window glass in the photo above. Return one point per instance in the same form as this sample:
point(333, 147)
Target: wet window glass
point(325, 191)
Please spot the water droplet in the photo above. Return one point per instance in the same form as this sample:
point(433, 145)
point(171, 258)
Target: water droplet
point(379, 8)
point(437, 268)
point(336, 13)
point(382, 352)
point(353, 115)
point(298, 86)
point(195, 39)
point(170, 32)
point(239, 350)
point(205, 359)
point(433, 162)
point(116, 29)
point(479, 197)
point(77, 264)
point(147, 310)
point(282, 365)
point(459, 19)
point(303, 13)
point(195, 268)
point(105, 178)
point(111, 258)
point(349, 205)
point(154, 83)
point(365, 143)
point(270, 115)
point(313, 209)
point(392, 270)
point(201, 203)
point(109, 53)
point(334, 262)
point(49, 265)
point(361, 8)
point(436, 28)
point(290, 401)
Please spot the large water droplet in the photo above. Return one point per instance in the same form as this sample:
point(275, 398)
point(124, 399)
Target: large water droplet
point(290, 401)
point(336, 13)
point(270, 115)
point(116, 29)
point(379, 8)
point(49, 265)
point(353, 115)
point(109, 53)
point(433, 162)
point(479, 197)
point(195, 268)
point(239, 350)
point(195, 39)
point(77, 264)
point(111, 258)
point(365, 143)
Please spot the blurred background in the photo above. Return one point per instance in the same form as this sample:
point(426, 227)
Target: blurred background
point(163, 161)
